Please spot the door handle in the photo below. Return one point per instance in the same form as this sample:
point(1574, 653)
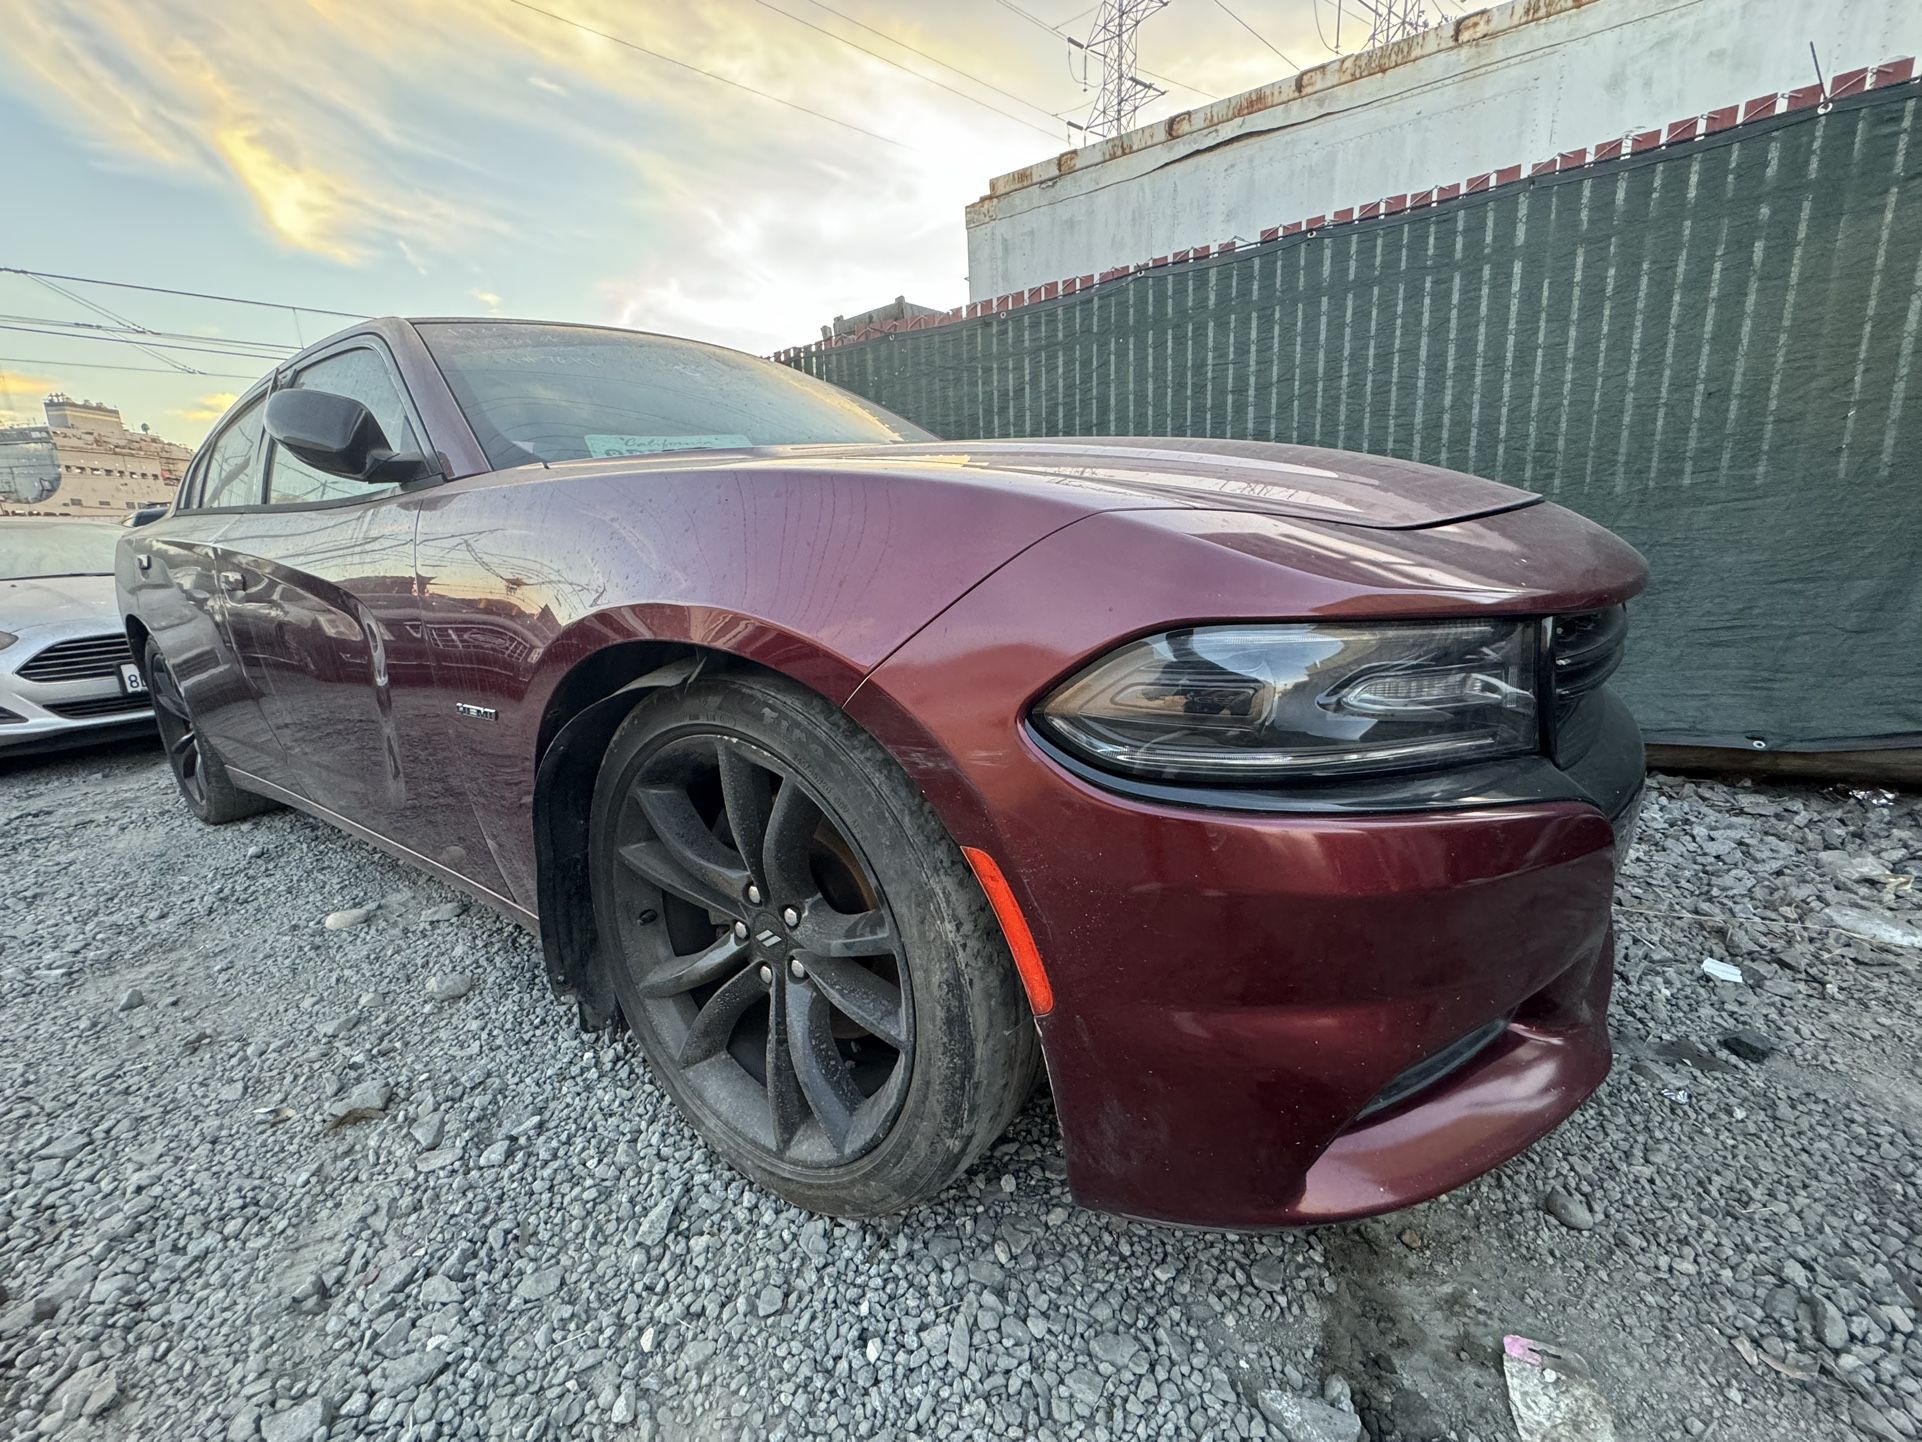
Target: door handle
point(145, 562)
point(232, 581)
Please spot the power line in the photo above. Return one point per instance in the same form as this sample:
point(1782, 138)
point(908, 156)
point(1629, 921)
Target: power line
point(1223, 6)
point(98, 309)
point(711, 75)
point(877, 55)
point(189, 294)
point(124, 340)
point(27, 360)
point(88, 328)
point(944, 64)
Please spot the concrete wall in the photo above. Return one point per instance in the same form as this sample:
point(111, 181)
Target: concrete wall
point(1494, 89)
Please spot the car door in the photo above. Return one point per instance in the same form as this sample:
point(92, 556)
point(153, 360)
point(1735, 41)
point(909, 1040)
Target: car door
point(321, 607)
point(182, 603)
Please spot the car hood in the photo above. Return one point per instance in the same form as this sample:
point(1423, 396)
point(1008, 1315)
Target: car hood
point(58, 602)
point(1121, 473)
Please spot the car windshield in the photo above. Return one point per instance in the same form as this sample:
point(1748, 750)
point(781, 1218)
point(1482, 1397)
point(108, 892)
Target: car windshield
point(564, 393)
point(56, 548)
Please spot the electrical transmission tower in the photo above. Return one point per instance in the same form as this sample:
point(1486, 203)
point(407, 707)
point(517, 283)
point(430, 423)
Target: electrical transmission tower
point(1388, 20)
point(1392, 20)
point(1111, 44)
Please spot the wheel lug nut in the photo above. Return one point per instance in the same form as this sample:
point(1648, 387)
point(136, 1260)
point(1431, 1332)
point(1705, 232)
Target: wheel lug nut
point(797, 971)
point(791, 917)
point(754, 894)
point(767, 976)
point(740, 931)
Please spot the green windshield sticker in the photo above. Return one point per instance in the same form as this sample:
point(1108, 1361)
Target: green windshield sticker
point(653, 445)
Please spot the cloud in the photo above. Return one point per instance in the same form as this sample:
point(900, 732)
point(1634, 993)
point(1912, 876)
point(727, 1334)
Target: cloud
point(208, 408)
point(353, 130)
point(31, 381)
point(20, 395)
point(488, 299)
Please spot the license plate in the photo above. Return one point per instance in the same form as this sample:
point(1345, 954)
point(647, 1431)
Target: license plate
point(132, 682)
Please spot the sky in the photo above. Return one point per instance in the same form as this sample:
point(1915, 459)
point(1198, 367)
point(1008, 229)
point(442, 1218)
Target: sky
point(476, 157)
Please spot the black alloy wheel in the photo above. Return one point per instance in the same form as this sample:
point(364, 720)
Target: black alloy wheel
point(197, 770)
point(765, 952)
point(177, 731)
point(800, 949)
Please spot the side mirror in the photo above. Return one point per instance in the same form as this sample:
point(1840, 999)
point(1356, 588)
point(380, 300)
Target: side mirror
point(146, 515)
point(339, 436)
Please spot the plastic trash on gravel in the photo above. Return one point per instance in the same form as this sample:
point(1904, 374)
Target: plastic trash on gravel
point(1552, 1394)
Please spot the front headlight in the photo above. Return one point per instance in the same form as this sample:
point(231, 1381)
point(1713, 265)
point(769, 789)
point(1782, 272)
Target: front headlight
point(1273, 702)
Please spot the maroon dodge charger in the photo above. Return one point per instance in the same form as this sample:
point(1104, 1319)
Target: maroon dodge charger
point(1270, 796)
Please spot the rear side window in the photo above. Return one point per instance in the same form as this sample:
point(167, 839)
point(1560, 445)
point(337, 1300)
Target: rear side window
point(232, 467)
point(362, 375)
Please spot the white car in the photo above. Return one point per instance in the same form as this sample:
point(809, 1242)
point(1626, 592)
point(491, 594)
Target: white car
point(66, 673)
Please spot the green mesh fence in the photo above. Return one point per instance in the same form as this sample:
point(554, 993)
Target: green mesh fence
point(1710, 349)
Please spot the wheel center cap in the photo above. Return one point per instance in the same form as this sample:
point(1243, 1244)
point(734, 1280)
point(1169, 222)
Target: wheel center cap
point(769, 935)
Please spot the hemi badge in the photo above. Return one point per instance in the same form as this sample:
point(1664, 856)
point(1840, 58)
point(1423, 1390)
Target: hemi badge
point(476, 713)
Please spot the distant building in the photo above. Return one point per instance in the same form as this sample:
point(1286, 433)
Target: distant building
point(900, 308)
point(84, 461)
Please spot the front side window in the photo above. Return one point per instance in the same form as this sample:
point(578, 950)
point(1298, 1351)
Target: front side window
point(360, 374)
point(565, 393)
point(233, 465)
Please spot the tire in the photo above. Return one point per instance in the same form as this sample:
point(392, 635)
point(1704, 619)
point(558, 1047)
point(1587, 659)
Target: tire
point(198, 772)
point(855, 1053)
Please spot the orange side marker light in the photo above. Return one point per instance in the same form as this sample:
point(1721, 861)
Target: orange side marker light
point(1014, 926)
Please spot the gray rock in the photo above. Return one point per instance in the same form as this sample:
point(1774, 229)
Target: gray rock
point(960, 1345)
point(353, 916)
point(654, 1226)
point(1114, 1349)
point(496, 1155)
point(1336, 1392)
point(1876, 926)
point(1830, 1328)
point(449, 986)
point(1306, 1419)
point(132, 999)
point(438, 1291)
point(26, 1313)
point(1570, 1210)
point(298, 1423)
point(65, 1148)
point(537, 1286)
point(625, 1407)
point(446, 911)
point(770, 1301)
point(1270, 1274)
point(429, 1130)
point(363, 1102)
point(1844, 867)
point(1084, 1384)
point(409, 1372)
point(1749, 1045)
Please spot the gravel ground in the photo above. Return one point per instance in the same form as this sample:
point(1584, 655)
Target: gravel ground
point(269, 1178)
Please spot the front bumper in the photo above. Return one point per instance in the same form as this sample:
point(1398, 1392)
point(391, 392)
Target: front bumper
point(43, 715)
point(1229, 1007)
